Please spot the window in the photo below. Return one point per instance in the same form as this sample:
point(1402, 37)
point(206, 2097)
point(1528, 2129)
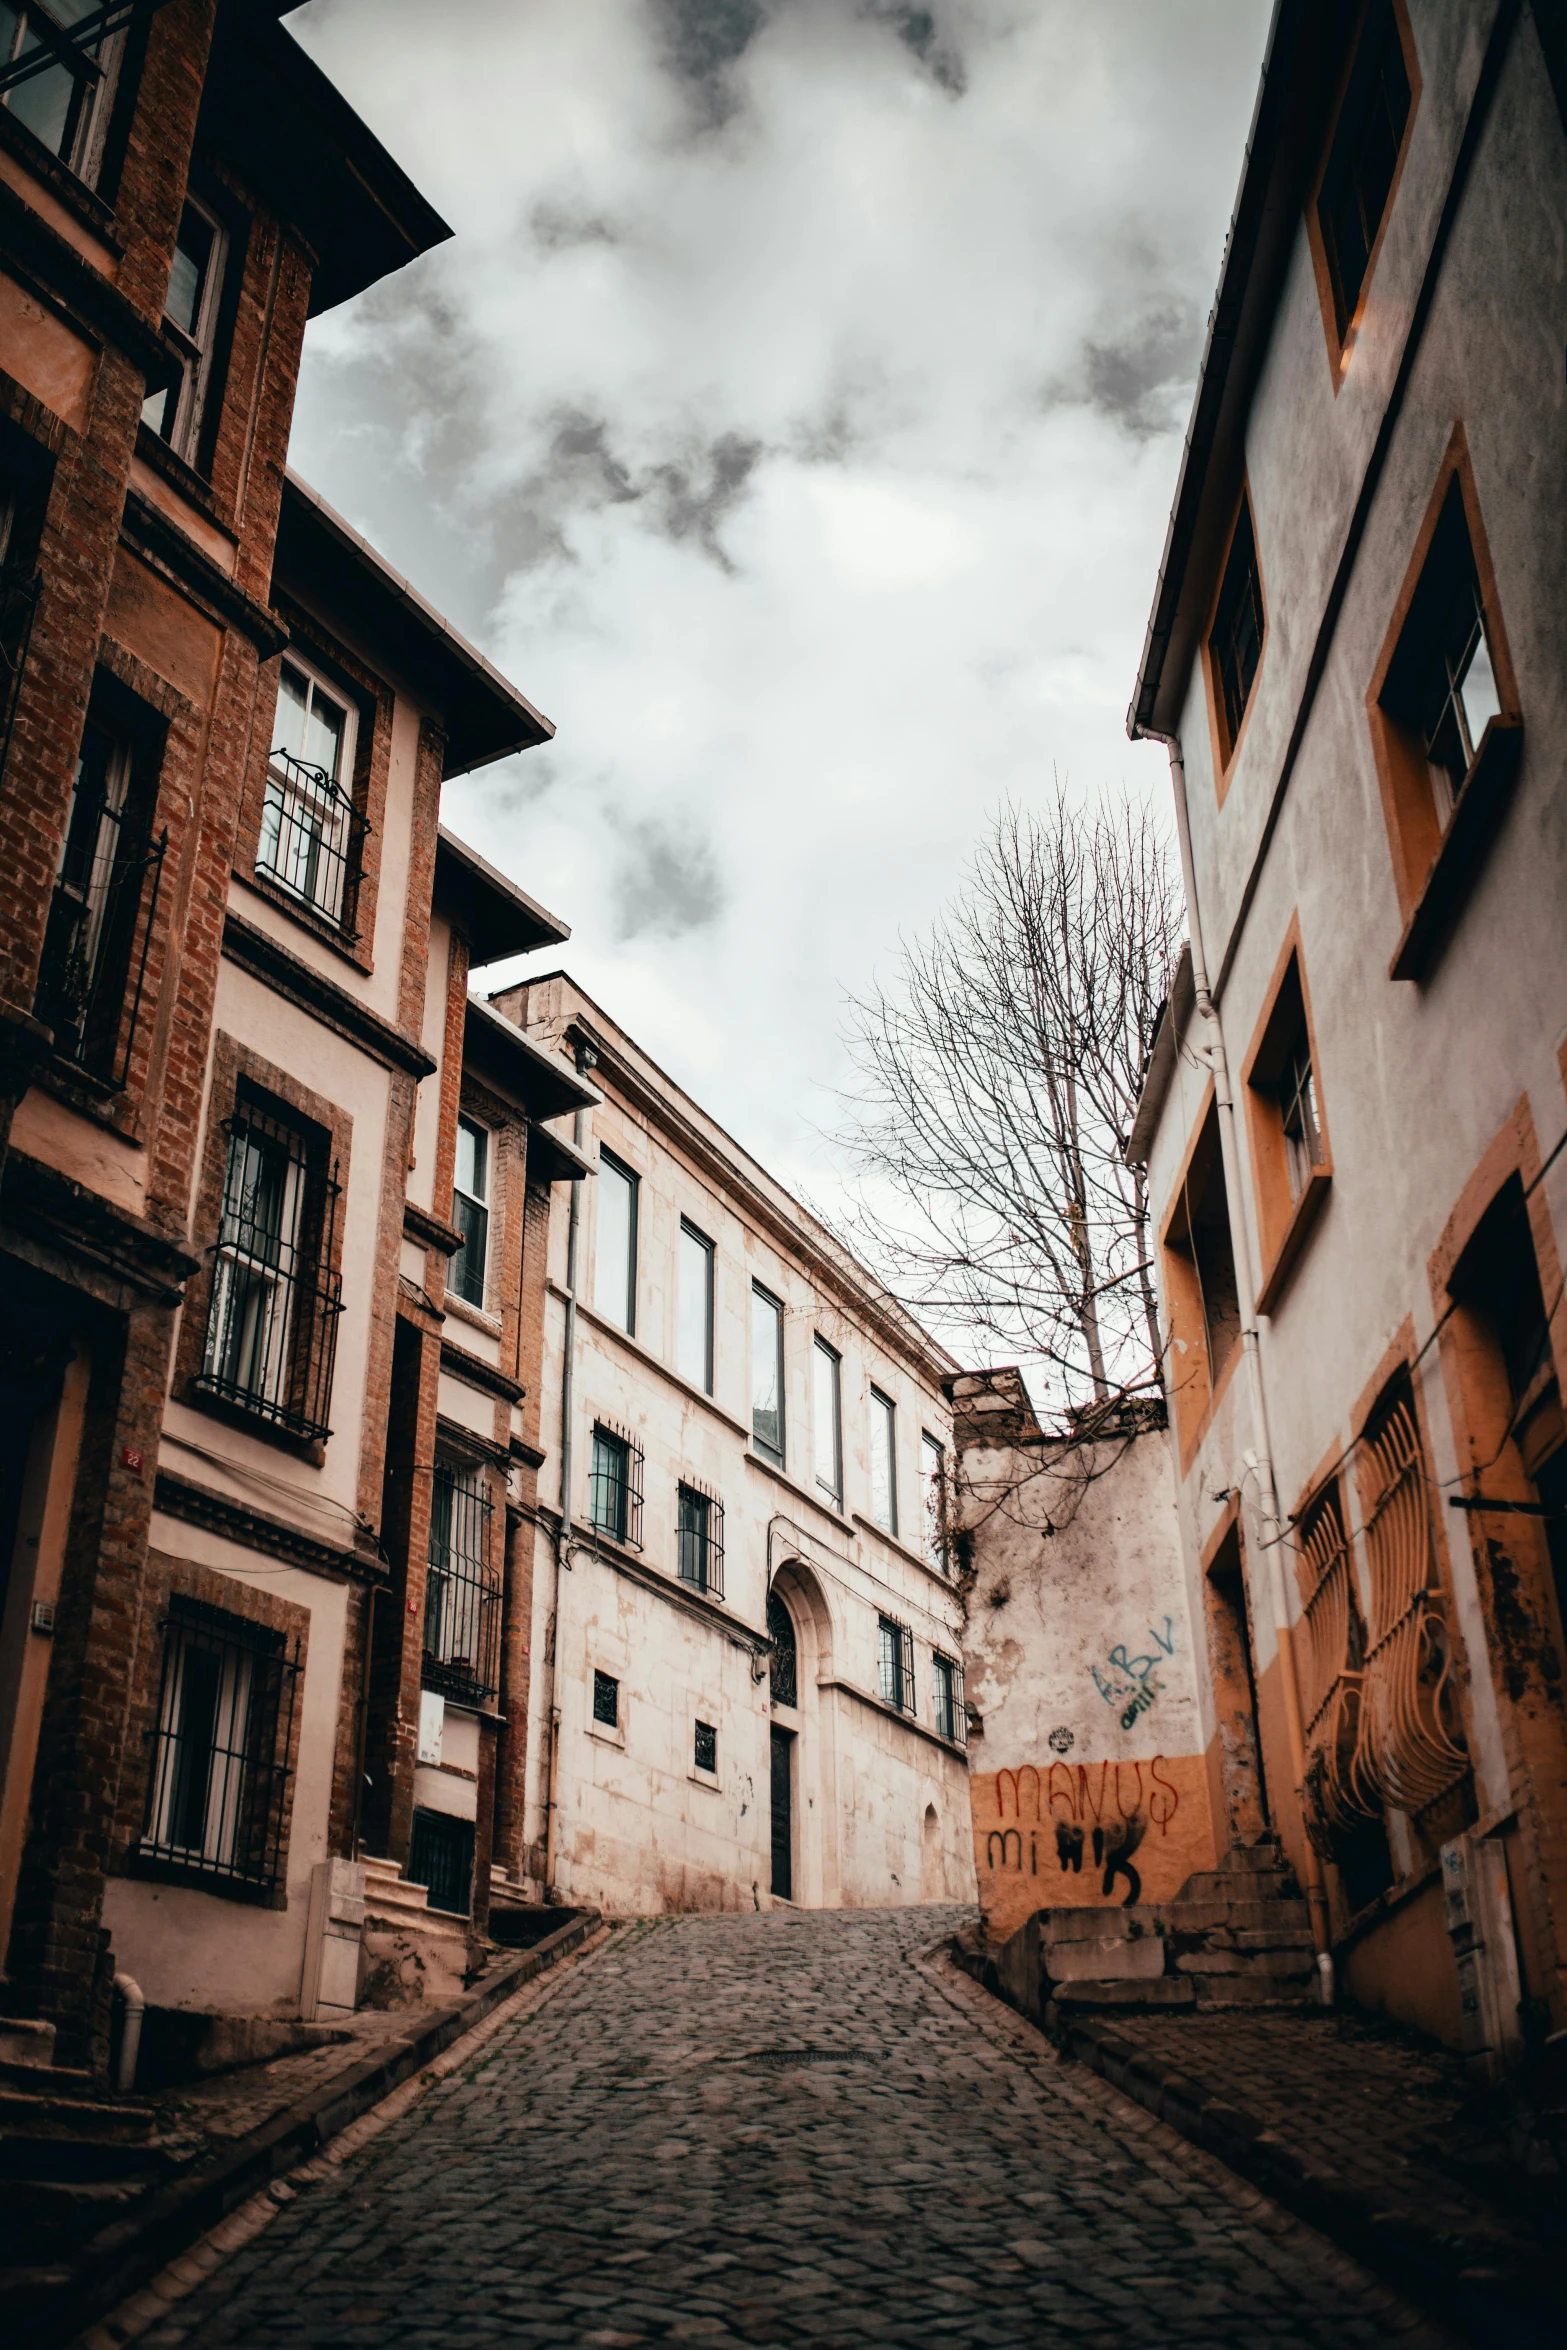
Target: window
point(1201, 1295)
point(700, 1540)
point(767, 1374)
point(827, 1419)
point(471, 1212)
point(462, 1592)
point(1302, 1128)
point(694, 1338)
point(947, 1699)
point(1362, 164)
point(705, 1755)
point(615, 1487)
point(1288, 1138)
point(615, 1269)
point(606, 1700)
point(95, 945)
point(933, 1500)
point(1235, 639)
point(272, 1328)
point(440, 1857)
point(312, 836)
point(1442, 682)
point(220, 1749)
point(190, 323)
point(884, 1462)
point(20, 582)
point(783, 1654)
point(895, 1662)
point(52, 84)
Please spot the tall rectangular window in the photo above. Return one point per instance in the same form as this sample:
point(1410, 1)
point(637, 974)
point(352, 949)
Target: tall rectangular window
point(933, 1500)
point(63, 99)
point(699, 1536)
point(462, 1592)
point(95, 945)
point(947, 1699)
point(215, 1797)
point(827, 1418)
point(615, 1487)
point(884, 1461)
point(312, 836)
point(767, 1374)
point(615, 1263)
point(1357, 180)
point(694, 1335)
point(471, 1211)
point(895, 1663)
point(1235, 639)
point(1441, 683)
point(190, 323)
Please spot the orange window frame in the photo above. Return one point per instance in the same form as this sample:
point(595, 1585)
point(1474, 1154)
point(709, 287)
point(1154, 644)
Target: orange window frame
point(1226, 748)
point(1194, 1392)
point(1284, 1222)
point(1341, 345)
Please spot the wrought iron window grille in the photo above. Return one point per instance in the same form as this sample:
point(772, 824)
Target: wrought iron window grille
point(19, 593)
point(220, 1744)
point(440, 1858)
point(606, 1700)
point(52, 73)
point(948, 1711)
point(1332, 1654)
point(615, 1486)
point(700, 1540)
point(705, 1748)
point(462, 1593)
point(312, 840)
point(783, 1653)
point(272, 1326)
point(93, 970)
point(895, 1662)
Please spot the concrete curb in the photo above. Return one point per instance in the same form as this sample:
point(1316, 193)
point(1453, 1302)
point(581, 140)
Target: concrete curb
point(114, 2264)
point(1477, 2280)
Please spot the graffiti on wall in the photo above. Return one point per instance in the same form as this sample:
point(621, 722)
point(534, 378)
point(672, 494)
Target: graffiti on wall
point(1063, 1804)
point(1133, 1687)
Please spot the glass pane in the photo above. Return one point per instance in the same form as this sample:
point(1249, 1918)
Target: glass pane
point(159, 409)
point(468, 1265)
point(824, 1399)
point(930, 1497)
point(1482, 702)
point(614, 1269)
point(472, 1159)
point(46, 103)
point(767, 1424)
point(694, 1332)
point(328, 723)
point(884, 1504)
point(188, 277)
point(288, 728)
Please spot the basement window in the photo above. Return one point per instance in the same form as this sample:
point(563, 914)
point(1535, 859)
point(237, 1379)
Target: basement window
point(705, 1755)
point(606, 1700)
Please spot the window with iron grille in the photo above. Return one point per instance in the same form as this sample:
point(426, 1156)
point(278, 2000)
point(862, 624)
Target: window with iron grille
point(20, 582)
point(312, 835)
point(706, 1749)
point(700, 1539)
point(1235, 639)
point(895, 1660)
point(783, 1653)
point(101, 915)
point(57, 70)
point(440, 1857)
point(217, 1787)
point(272, 1326)
point(471, 1212)
point(1357, 179)
point(462, 1591)
point(615, 1487)
point(606, 1700)
point(951, 1715)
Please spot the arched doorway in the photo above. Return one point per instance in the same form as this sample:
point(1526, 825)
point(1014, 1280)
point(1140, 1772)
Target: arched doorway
point(933, 1884)
point(801, 1860)
point(783, 1674)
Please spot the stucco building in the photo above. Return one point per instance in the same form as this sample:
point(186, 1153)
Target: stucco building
point(1354, 1117)
point(746, 1624)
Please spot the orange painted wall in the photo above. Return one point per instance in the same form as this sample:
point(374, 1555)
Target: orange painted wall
point(1404, 1969)
point(1035, 1831)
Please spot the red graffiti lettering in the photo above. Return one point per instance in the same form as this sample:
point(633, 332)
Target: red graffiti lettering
point(1137, 1799)
point(1164, 1799)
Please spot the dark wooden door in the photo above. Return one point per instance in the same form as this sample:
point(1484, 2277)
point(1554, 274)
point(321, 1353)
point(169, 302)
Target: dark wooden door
point(783, 1817)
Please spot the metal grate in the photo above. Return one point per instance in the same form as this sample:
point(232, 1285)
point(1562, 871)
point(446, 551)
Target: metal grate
point(220, 1745)
point(462, 1593)
point(606, 1700)
point(615, 1487)
point(1409, 1745)
point(700, 1541)
point(440, 1858)
point(895, 1661)
point(947, 1706)
point(99, 932)
point(18, 603)
point(272, 1329)
point(312, 839)
point(705, 1747)
point(783, 1654)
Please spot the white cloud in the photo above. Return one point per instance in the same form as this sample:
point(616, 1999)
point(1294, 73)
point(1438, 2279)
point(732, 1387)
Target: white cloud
point(799, 435)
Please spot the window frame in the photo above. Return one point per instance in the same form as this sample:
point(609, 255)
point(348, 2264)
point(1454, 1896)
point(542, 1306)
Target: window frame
point(302, 803)
point(605, 1683)
point(196, 345)
point(633, 1182)
point(935, 1549)
point(895, 1664)
point(760, 1444)
point(884, 1418)
point(709, 1768)
point(691, 1233)
point(90, 996)
point(1341, 320)
point(1194, 1397)
point(1228, 734)
point(93, 98)
point(468, 1573)
point(1285, 1216)
point(699, 1546)
point(480, 1207)
point(948, 1670)
point(625, 1527)
point(823, 1352)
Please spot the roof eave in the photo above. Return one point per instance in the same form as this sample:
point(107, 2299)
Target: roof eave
point(1178, 1007)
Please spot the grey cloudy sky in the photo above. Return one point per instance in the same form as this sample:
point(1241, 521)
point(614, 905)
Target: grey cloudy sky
point(795, 417)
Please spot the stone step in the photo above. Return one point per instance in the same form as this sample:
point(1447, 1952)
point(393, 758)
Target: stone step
point(1158, 1991)
point(1278, 1965)
point(40, 2218)
point(22, 2041)
point(38, 2080)
point(1092, 1922)
point(1200, 1917)
point(391, 1900)
point(1235, 1885)
point(1249, 1991)
point(28, 2117)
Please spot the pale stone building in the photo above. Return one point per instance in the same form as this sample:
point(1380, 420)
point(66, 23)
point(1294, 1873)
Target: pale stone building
point(744, 1597)
point(1354, 1118)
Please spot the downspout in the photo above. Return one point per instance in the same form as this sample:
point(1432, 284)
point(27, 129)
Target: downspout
point(130, 2033)
point(586, 1059)
point(1261, 1461)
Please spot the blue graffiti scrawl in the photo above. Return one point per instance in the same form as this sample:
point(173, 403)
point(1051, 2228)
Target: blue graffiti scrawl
point(1134, 1688)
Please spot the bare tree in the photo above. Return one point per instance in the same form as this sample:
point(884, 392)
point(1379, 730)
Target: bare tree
point(995, 1083)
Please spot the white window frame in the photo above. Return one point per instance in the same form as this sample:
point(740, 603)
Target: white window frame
point(692, 1239)
point(479, 1200)
point(884, 1418)
point(933, 1483)
point(776, 1312)
point(330, 823)
point(83, 153)
point(624, 1313)
point(196, 348)
point(827, 1364)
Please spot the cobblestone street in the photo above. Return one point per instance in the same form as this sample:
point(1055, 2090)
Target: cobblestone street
point(780, 2129)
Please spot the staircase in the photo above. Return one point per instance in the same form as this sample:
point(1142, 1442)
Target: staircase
point(415, 1954)
point(1235, 1936)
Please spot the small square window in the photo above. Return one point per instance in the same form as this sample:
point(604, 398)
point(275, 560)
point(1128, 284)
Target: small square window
point(606, 1700)
point(706, 1752)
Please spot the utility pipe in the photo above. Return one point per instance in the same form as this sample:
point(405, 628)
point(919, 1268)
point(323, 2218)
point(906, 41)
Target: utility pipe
point(587, 1058)
point(130, 2032)
point(1261, 1460)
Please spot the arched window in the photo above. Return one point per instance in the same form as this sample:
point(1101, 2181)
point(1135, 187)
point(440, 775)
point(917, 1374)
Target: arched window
point(780, 1632)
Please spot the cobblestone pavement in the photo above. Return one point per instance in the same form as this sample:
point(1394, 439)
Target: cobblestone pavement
point(774, 2130)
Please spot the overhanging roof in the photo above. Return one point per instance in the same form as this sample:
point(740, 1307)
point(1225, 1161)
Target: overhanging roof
point(1306, 41)
point(498, 918)
point(325, 561)
point(539, 1082)
point(295, 137)
point(1178, 1007)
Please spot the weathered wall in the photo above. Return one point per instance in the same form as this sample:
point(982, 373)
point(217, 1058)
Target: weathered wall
point(1088, 1781)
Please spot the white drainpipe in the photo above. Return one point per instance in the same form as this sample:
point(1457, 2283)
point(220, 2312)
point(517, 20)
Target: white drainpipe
point(130, 2035)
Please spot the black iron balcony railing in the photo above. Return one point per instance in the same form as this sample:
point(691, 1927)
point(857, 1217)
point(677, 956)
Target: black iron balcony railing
point(462, 1614)
point(96, 943)
point(312, 840)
